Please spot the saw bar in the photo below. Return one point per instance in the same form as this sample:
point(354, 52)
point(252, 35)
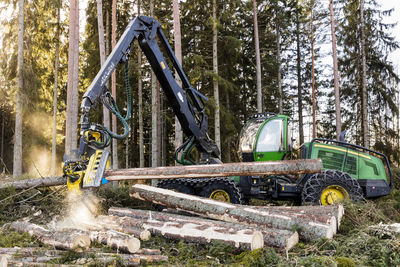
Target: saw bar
point(300, 166)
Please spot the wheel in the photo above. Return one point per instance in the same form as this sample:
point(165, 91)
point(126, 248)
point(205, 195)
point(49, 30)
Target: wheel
point(222, 189)
point(330, 187)
point(178, 185)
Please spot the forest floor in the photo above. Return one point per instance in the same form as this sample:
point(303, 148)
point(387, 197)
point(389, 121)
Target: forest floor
point(356, 243)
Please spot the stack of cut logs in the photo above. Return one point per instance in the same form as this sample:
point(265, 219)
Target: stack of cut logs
point(185, 217)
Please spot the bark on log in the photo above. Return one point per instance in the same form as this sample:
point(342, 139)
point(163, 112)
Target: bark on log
point(218, 170)
point(308, 225)
point(332, 210)
point(203, 233)
point(65, 239)
point(39, 182)
point(282, 239)
point(8, 260)
point(130, 259)
point(117, 240)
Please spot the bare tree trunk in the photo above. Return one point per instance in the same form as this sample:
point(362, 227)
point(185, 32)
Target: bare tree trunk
point(159, 134)
point(278, 59)
point(140, 100)
point(258, 61)
point(100, 27)
point(154, 113)
point(113, 82)
point(299, 85)
point(17, 162)
point(217, 123)
point(2, 139)
point(56, 64)
point(312, 70)
point(75, 75)
point(335, 73)
point(178, 54)
point(364, 108)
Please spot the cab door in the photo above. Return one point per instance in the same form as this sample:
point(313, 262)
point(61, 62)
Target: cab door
point(271, 140)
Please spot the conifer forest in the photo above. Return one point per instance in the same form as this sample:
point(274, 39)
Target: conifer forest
point(329, 65)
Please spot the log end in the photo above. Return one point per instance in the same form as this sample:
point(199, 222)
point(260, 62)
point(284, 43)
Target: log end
point(133, 245)
point(292, 241)
point(145, 235)
point(257, 241)
point(81, 241)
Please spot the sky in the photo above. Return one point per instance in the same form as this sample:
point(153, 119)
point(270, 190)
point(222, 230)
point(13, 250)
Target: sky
point(395, 17)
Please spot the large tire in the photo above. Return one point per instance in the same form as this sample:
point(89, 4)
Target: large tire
point(329, 187)
point(178, 185)
point(222, 189)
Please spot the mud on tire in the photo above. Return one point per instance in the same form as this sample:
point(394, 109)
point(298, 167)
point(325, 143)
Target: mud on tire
point(316, 184)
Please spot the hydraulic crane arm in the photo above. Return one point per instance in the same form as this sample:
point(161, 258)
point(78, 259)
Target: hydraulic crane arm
point(187, 104)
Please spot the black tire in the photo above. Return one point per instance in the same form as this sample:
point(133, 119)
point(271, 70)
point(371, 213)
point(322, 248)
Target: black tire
point(222, 189)
point(178, 185)
point(330, 179)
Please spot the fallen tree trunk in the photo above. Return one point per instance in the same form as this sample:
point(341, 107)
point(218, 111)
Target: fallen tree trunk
point(142, 234)
point(35, 183)
point(218, 170)
point(282, 239)
point(117, 240)
point(197, 232)
point(309, 226)
point(130, 259)
point(65, 239)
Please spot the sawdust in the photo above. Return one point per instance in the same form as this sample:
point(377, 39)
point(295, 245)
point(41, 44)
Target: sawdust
point(81, 212)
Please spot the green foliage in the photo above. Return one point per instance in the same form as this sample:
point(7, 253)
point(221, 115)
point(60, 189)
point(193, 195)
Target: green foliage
point(10, 238)
point(259, 257)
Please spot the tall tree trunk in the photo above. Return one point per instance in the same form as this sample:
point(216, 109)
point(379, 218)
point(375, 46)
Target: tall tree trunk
point(278, 59)
point(364, 108)
point(299, 85)
point(100, 27)
point(113, 83)
point(154, 108)
point(159, 134)
point(140, 100)
point(17, 163)
point(154, 114)
point(178, 54)
point(335, 73)
point(258, 61)
point(75, 95)
point(56, 64)
point(2, 141)
point(312, 70)
point(217, 127)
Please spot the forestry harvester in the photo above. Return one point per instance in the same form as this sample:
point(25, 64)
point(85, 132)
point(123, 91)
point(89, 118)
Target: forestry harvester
point(348, 171)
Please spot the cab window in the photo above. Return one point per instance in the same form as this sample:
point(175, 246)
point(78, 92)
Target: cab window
point(271, 137)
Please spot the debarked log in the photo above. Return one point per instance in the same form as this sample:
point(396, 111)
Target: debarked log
point(218, 170)
point(64, 239)
point(309, 227)
point(331, 210)
point(117, 240)
point(204, 233)
point(282, 239)
point(35, 183)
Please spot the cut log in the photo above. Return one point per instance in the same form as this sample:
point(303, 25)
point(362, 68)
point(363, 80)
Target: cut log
point(332, 210)
point(8, 260)
point(65, 239)
point(35, 183)
point(282, 239)
point(142, 234)
point(130, 259)
point(218, 170)
point(309, 226)
point(120, 241)
point(193, 231)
